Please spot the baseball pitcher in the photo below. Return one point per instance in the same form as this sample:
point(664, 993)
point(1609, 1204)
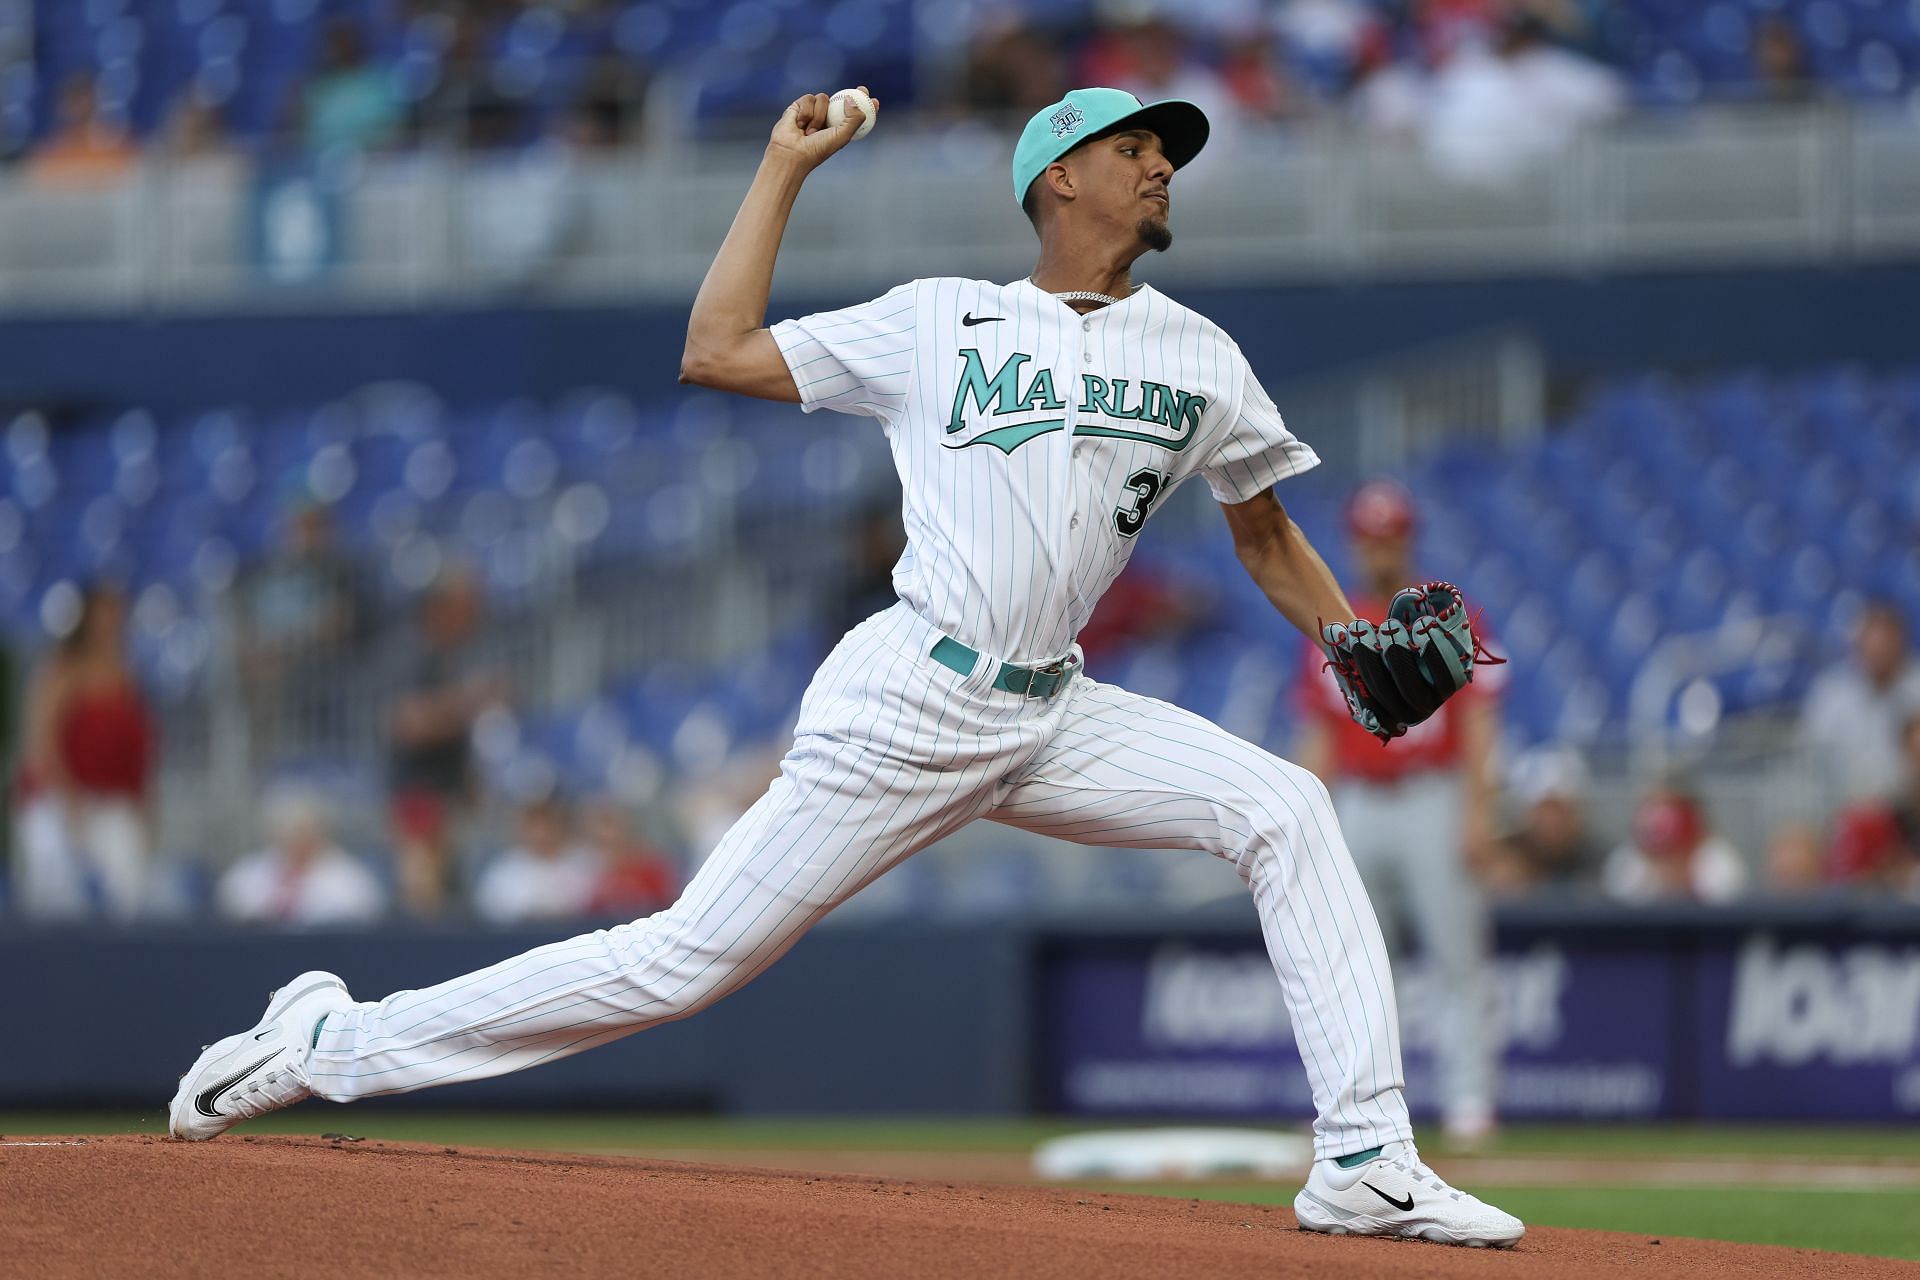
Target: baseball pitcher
point(1036, 427)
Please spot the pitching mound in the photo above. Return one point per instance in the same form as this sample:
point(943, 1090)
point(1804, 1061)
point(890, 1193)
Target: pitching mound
point(261, 1207)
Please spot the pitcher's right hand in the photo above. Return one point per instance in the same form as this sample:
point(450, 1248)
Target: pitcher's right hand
point(803, 133)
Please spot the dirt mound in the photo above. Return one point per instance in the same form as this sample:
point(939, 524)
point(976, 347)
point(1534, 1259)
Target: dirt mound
point(260, 1207)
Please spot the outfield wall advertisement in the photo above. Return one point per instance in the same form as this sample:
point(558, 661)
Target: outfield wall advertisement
point(1740, 1025)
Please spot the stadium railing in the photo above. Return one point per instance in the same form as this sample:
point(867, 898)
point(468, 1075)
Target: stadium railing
point(1722, 185)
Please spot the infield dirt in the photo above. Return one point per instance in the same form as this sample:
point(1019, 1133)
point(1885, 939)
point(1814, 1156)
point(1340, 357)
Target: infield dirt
point(271, 1206)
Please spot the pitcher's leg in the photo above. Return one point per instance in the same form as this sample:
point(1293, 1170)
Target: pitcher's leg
point(839, 815)
point(1130, 771)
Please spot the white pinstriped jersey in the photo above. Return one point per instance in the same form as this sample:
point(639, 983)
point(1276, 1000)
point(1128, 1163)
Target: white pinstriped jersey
point(1033, 442)
point(1032, 445)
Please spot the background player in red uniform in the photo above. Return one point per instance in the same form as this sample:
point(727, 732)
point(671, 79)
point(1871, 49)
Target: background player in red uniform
point(1437, 779)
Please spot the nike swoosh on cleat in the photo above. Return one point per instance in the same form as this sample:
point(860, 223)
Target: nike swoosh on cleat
point(210, 1096)
point(1405, 1206)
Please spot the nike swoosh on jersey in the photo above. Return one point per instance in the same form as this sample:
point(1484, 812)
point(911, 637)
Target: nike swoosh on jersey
point(210, 1096)
point(970, 319)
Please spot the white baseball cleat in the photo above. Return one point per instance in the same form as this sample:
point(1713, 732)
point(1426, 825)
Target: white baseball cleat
point(257, 1071)
point(1395, 1194)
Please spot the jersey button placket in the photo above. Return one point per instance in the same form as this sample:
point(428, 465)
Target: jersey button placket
point(1074, 452)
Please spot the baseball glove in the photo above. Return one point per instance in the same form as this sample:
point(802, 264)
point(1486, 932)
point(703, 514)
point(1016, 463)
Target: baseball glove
point(1396, 674)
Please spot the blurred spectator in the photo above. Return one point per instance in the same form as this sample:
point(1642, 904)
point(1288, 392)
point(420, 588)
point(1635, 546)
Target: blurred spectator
point(636, 878)
point(607, 109)
point(1850, 723)
point(877, 542)
point(86, 782)
point(1445, 27)
point(1327, 32)
point(195, 129)
point(302, 878)
point(465, 106)
point(1012, 68)
point(1674, 854)
point(349, 105)
point(523, 198)
point(1435, 780)
point(1906, 805)
point(547, 876)
point(1388, 98)
point(1251, 70)
point(443, 689)
point(1780, 61)
point(1876, 842)
point(85, 149)
point(1551, 848)
point(1796, 864)
point(1154, 60)
point(298, 615)
point(1496, 110)
point(1144, 605)
point(1871, 851)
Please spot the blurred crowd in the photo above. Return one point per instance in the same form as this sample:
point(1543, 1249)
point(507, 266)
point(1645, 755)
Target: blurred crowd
point(519, 103)
point(1480, 84)
point(85, 787)
point(1858, 729)
point(1480, 88)
point(415, 75)
point(1521, 822)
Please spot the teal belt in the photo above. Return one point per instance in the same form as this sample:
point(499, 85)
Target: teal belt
point(1031, 682)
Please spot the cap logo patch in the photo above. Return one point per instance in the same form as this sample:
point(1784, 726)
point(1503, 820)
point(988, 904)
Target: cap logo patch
point(1067, 121)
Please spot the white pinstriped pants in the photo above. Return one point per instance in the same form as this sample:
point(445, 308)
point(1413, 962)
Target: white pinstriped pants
point(894, 751)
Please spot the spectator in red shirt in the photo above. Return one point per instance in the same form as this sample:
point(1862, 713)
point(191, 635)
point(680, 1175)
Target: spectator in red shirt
point(639, 878)
point(1436, 779)
point(85, 783)
point(1143, 605)
point(1876, 845)
point(1673, 855)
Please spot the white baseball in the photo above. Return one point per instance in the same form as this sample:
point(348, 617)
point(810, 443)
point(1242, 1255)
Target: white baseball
point(839, 104)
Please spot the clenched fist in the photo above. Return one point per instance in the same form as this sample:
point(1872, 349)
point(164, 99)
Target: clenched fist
point(804, 134)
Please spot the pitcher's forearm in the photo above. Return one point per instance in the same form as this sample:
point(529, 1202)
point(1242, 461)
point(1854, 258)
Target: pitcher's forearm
point(1298, 583)
point(732, 302)
point(1284, 565)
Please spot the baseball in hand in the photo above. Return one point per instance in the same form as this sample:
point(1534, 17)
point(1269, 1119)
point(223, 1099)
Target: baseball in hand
point(851, 100)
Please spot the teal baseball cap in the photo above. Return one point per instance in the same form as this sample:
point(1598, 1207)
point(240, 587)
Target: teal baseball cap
point(1087, 113)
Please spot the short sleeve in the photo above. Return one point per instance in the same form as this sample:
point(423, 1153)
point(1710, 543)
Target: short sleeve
point(855, 360)
point(1258, 451)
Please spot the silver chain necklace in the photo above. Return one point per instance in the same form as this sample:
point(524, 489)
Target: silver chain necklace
point(1085, 295)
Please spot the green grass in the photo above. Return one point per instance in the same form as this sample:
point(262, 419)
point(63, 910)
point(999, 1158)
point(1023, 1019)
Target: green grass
point(1876, 1221)
point(1708, 1140)
point(1853, 1221)
point(617, 1130)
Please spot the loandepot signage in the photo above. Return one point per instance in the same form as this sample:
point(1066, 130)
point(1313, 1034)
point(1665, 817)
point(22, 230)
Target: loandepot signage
point(1819, 1025)
point(1798, 1005)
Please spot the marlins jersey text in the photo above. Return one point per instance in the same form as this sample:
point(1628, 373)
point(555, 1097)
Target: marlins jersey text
point(1033, 442)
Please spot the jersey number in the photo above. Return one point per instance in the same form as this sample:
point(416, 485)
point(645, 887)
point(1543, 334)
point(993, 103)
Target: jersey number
point(1146, 485)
